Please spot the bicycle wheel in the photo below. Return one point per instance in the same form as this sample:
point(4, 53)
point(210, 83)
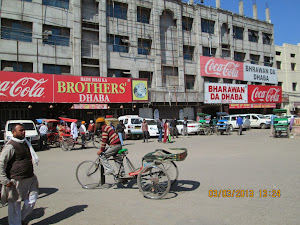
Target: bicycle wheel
point(67, 144)
point(171, 169)
point(97, 141)
point(88, 174)
point(154, 182)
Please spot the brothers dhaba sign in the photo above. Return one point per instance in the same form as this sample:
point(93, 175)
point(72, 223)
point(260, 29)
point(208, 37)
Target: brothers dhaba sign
point(33, 87)
point(225, 93)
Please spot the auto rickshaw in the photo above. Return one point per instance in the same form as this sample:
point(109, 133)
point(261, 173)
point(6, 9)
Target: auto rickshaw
point(204, 127)
point(281, 124)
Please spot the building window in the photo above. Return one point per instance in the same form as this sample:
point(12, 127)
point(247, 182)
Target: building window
point(144, 46)
point(267, 39)
point(55, 69)
point(143, 14)
point(188, 52)
point(57, 3)
point(280, 84)
point(117, 10)
point(56, 35)
point(119, 73)
point(208, 26)
point(16, 66)
point(278, 53)
point(254, 59)
point(253, 36)
point(118, 43)
point(26, 0)
point(268, 61)
point(294, 86)
point(210, 52)
point(239, 56)
point(16, 30)
point(190, 82)
point(227, 81)
point(187, 23)
point(146, 75)
point(238, 33)
point(278, 65)
point(292, 55)
point(170, 76)
point(293, 66)
point(211, 79)
point(225, 53)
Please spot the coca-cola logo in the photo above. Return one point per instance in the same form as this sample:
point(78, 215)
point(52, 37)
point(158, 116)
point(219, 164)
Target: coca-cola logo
point(271, 95)
point(26, 86)
point(230, 69)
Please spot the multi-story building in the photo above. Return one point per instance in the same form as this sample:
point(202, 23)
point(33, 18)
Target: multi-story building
point(288, 66)
point(158, 40)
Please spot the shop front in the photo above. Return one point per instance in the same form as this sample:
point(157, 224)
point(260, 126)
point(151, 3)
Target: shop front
point(31, 96)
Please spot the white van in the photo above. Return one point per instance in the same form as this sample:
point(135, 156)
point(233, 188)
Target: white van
point(258, 120)
point(31, 132)
point(133, 124)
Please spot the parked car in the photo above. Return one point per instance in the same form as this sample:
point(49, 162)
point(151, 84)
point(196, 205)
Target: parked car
point(31, 133)
point(231, 120)
point(258, 120)
point(133, 124)
point(192, 128)
point(152, 127)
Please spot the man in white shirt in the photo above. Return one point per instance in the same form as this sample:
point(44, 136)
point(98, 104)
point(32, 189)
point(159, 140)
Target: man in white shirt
point(74, 131)
point(82, 130)
point(43, 132)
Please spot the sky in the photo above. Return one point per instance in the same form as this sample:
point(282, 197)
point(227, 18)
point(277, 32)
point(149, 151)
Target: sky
point(285, 15)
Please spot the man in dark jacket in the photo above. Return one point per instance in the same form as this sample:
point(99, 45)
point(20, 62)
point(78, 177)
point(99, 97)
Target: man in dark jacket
point(160, 128)
point(174, 128)
point(17, 177)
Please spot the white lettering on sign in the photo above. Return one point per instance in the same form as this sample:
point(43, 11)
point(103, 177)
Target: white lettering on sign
point(272, 95)
point(22, 88)
point(230, 69)
point(93, 98)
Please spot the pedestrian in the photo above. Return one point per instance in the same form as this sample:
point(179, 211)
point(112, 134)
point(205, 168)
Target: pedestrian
point(74, 131)
point(91, 129)
point(173, 128)
point(272, 124)
point(43, 131)
point(17, 177)
point(185, 130)
point(160, 128)
point(145, 130)
point(120, 129)
point(167, 132)
point(82, 130)
point(112, 126)
point(239, 122)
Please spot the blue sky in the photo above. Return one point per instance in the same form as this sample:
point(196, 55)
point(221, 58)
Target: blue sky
point(285, 15)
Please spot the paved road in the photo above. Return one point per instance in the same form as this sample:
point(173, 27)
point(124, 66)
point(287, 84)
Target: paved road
point(253, 161)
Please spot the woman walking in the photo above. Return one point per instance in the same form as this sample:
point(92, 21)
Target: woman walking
point(145, 130)
point(167, 131)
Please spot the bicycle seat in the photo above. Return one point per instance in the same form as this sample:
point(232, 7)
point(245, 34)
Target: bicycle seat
point(122, 150)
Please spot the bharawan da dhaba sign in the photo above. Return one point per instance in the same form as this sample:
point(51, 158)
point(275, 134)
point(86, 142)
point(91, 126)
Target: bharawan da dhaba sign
point(31, 87)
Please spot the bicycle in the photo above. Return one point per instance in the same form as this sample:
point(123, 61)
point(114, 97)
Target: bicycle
point(154, 178)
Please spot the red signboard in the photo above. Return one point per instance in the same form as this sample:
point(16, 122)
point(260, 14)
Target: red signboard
point(264, 94)
point(30, 87)
point(252, 106)
point(221, 68)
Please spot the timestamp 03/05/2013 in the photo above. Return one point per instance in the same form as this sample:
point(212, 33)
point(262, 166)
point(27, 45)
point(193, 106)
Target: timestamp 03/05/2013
point(244, 193)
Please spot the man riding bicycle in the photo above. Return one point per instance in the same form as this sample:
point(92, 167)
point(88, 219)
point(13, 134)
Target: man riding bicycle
point(110, 138)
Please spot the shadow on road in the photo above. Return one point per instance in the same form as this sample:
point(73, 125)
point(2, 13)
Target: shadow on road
point(44, 192)
point(58, 217)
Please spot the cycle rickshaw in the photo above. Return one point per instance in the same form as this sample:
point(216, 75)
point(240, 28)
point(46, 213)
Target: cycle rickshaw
point(52, 136)
point(154, 178)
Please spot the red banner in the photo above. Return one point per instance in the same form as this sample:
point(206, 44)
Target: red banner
point(221, 68)
point(252, 106)
point(30, 87)
point(264, 94)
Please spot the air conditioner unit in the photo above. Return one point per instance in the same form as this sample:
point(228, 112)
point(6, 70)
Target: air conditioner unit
point(8, 69)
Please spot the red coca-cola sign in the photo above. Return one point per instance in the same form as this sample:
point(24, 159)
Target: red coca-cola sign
point(264, 94)
point(26, 87)
point(221, 68)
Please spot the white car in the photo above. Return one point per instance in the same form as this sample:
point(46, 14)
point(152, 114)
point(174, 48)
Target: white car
point(152, 127)
point(133, 124)
point(31, 132)
point(192, 128)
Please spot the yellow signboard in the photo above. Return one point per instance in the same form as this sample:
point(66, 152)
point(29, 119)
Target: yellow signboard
point(140, 90)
